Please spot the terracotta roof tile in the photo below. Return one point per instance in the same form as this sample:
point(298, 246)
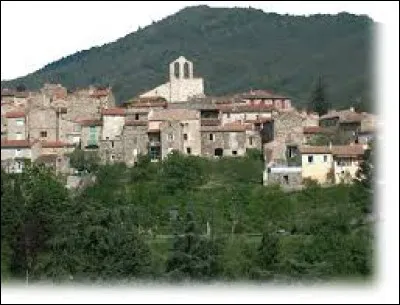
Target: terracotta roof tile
point(314, 130)
point(15, 114)
point(113, 111)
point(90, 122)
point(336, 150)
point(246, 108)
point(348, 150)
point(55, 144)
point(16, 144)
point(315, 150)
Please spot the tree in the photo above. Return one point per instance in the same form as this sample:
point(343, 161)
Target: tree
point(84, 160)
point(268, 250)
point(32, 205)
point(193, 257)
point(364, 183)
point(318, 102)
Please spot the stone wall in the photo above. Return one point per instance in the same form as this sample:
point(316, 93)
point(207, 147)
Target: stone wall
point(285, 178)
point(171, 134)
point(229, 141)
point(111, 151)
point(16, 130)
point(42, 119)
point(288, 130)
point(135, 140)
point(112, 126)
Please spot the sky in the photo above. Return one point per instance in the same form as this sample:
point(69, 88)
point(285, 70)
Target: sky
point(34, 34)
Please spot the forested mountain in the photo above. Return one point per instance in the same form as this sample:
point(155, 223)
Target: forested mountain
point(233, 49)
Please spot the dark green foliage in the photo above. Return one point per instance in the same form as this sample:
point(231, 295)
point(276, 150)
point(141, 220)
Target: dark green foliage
point(233, 49)
point(157, 221)
point(268, 250)
point(84, 160)
point(192, 257)
point(319, 103)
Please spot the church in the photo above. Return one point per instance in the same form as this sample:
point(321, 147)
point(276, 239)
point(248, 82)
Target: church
point(182, 86)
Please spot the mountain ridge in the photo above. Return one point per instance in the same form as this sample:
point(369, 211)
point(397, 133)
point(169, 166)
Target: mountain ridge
point(233, 49)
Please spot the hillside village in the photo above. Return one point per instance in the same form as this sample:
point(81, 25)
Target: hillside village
point(48, 125)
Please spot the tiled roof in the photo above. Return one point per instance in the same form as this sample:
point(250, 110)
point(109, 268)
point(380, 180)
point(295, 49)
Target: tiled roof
point(174, 115)
point(348, 150)
point(7, 92)
point(91, 122)
point(245, 108)
point(336, 150)
point(345, 116)
point(113, 111)
point(16, 144)
point(315, 150)
point(55, 144)
point(230, 127)
point(314, 129)
point(15, 114)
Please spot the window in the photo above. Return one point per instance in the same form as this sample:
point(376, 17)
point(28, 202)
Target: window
point(286, 179)
point(112, 144)
point(136, 116)
point(310, 159)
point(170, 137)
point(234, 152)
point(228, 115)
point(188, 150)
point(325, 158)
point(211, 137)
point(250, 141)
point(43, 134)
point(218, 152)
point(185, 136)
point(112, 157)
point(18, 135)
point(20, 122)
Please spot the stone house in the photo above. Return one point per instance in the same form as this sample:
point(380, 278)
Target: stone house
point(91, 132)
point(43, 124)
point(287, 136)
point(135, 140)
point(346, 161)
point(181, 86)
point(179, 129)
point(267, 98)
point(236, 112)
point(15, 125)
point(15, 152)
point(289, 177)
point(223, 140)
point(327, 164)
point(316, 163)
